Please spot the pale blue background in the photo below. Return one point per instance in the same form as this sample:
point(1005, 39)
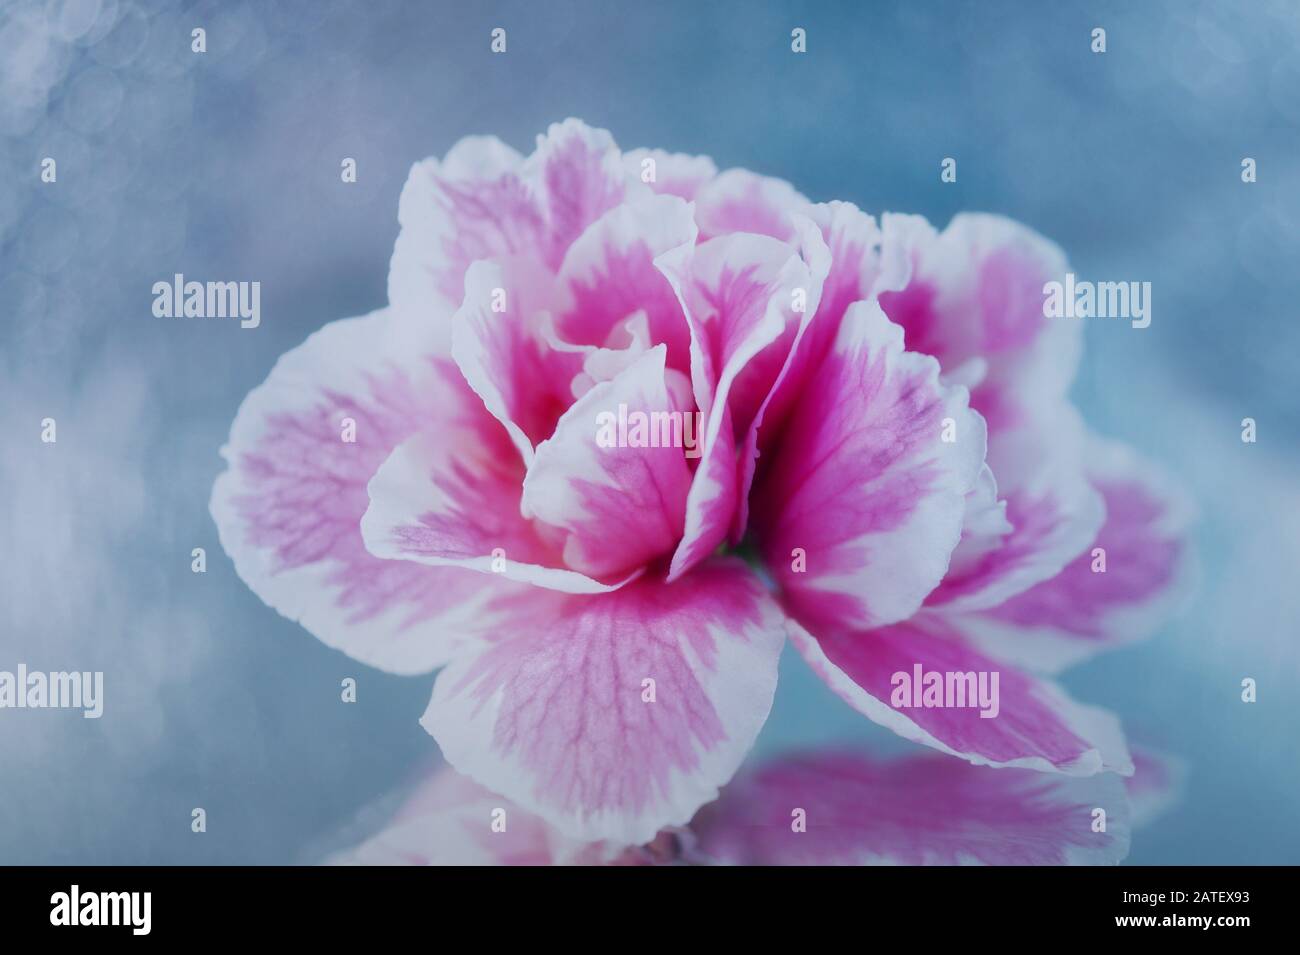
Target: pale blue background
point(226, 166)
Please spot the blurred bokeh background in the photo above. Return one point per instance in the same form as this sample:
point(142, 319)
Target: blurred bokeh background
point(225, 165)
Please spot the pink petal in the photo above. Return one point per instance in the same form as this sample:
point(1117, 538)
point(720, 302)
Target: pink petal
point(741, 201)
point(484, 202)
point(552, 716)
point(621, 506)
point(578, 174)
point(984, 528)
point(738, 296)
point(632, 340)
point(1036, 725)
point(1052, 509)
point(505, 355)
point(1156, 785)
point(452, 498)
point(852, 241)
point(472, 205)
point(921, 810)
point(864, 501)
point(847, 268)
point(761, 379)
point(288, 506)
point(448, 820)
point(976, 292)
point(609, 274)
point(1079, 612)
point(675, 174)
point(713, 501)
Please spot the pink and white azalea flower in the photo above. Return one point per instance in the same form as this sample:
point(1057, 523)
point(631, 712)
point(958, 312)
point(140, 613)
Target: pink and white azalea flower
point(884, 435)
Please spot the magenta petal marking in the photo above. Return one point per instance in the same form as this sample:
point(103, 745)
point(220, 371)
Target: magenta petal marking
point(761, 396)
point(609, 274)
point(472, 205)
point(499, 340)
point(560, 715)
point(864, 501)
point(1036, 725)
point(1143, 549)
point(578, 173)
point(737, 293)
point(739, 201)
point(288, 505)
point(620, 506)
point(976, 291)
point(452, 499)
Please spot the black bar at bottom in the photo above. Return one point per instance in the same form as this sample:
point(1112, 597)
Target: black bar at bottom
point(334, 904)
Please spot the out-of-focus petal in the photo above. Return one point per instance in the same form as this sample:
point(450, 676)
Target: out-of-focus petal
point(448, 819)
point(844, 808)
point(738, 201)
point(1156, 785)
point(976, 292)
point(674, 174)
point(1124, 585)
point(577, 176)
point(1054, 512)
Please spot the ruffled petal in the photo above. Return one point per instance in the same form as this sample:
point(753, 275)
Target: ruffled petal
point(865, 498)
point(619, 497)
point(738, 200)
point(289, 505)
point(500, 341)
point(472, 205)
point(1052, 510)
point(577, 176)
point(614, 716)
point(673, 174)
point(609, 275)
point(452, 498)
point(738, 293)
point(1121, 588)
point(976, 293)
point(1021, 721)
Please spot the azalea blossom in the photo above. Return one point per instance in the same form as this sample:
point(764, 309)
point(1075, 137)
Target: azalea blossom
point(889, 472)
point(811, 807)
